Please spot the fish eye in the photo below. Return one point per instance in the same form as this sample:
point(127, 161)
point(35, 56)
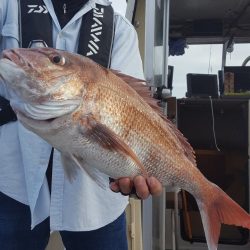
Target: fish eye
point(57, 59)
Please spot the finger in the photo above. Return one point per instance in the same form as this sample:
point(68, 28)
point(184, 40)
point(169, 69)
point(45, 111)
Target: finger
point(125, 185)
point(155, 187)
point(133, 194)
point(114, 186)
point(141, 187)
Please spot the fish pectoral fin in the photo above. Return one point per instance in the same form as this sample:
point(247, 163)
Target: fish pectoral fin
point(109, 140)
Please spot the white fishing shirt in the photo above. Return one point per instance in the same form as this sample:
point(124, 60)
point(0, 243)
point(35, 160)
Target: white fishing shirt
point(81, 205)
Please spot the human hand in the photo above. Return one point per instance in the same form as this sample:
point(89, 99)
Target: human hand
point(142, 187)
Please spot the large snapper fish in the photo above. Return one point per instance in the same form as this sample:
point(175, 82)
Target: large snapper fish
point(99, 121)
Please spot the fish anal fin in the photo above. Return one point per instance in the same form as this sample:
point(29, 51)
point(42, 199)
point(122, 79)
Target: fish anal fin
point(218, 209)
point(105, 137)
point(100, 179)
point(70, 166)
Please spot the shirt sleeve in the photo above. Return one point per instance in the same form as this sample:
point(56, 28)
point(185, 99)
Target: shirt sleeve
point(9, 32)
point(1, 45)
point(1, 26)
point(125, 53)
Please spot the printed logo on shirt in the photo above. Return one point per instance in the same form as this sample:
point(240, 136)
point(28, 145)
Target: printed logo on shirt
point(40, 9)
point(96, 31)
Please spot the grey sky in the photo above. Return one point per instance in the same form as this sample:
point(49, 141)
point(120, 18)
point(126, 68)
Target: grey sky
point(196, 60)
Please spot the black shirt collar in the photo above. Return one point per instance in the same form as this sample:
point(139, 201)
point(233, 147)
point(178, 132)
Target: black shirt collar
point(66, 9)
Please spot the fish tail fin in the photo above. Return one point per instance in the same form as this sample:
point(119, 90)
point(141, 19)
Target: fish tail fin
point(219, 208)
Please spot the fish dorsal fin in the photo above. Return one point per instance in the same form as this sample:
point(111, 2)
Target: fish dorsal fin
point(142, 89)
point(105, 137)
point(139, 86)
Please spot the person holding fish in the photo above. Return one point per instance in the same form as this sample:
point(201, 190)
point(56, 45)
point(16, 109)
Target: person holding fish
point(86, 209)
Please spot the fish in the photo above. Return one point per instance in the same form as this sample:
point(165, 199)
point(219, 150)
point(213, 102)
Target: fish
point(104, 121)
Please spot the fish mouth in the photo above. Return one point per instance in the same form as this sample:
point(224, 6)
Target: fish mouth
point(21, 115)
point(47, 112)
point(39, 127)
